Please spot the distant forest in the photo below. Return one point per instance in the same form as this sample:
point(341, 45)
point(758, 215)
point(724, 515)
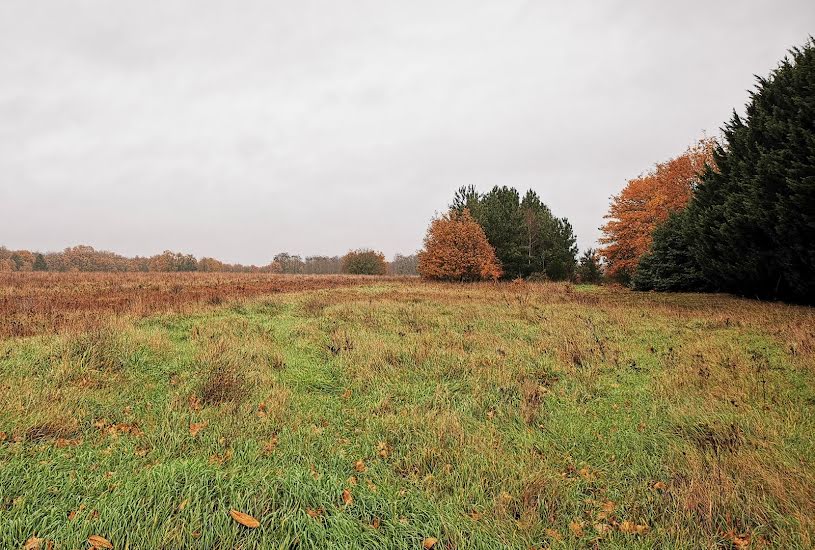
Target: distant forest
point(86, 258)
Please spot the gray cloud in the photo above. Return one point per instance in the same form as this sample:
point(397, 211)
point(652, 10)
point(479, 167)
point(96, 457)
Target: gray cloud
point(240, 130)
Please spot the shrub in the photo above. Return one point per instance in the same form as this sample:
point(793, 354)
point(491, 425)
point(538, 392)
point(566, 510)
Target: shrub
point(456, 249)
point(364, 262)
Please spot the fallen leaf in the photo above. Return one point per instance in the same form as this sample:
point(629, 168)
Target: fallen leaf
point(183, 504)
point(383, 449)
point(607, 506)
point(586, 474)
point(475, 516)
point(346, 394)
point(602, 528)
point(576, 528)
point(71, 515)
point(429, 543)
point(359, 465)
point(553, 534)
point(352, 480)
point(375, 523)
point(632, 528)
point(244, 519)
point(738, 541)
point(271, 445)
point(347, 499)
point(34, 543)
point(315, 513)
point(197, 427)
point(3, 436)
point(660, 486)
point(98, 542)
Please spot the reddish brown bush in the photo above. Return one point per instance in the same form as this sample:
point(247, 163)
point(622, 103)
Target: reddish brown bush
point(456, 249)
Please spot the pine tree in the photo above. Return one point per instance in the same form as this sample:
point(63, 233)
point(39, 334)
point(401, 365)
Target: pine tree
point(39, 263)
point(670, 265)
point(750, 226)
point(588, 269)
point(499, 214)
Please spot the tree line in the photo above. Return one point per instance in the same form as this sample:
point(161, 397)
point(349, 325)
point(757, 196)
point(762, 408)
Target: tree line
point(86, 258)
point(499, 234)
point(737, 215)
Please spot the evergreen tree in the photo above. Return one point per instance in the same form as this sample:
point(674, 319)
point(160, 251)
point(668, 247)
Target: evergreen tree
point(561, 245)
point(670, 265)
point(39, 263)
point(499, 214)
point(466, 197)
point(750, 225)
point(588, 269)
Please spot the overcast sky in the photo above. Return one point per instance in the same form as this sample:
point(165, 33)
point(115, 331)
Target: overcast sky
point(241, 129)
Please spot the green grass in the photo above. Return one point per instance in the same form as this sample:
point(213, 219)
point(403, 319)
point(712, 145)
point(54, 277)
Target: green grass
point(485, 416)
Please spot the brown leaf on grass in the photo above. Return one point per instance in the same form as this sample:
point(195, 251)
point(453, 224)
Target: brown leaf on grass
point(375, 524)
point(554, 534)
point(314, 473)
point(587, 474)
point(72, 515)
point(475, 515)
point(359, 465)
point(631, 528)
point(659, 486)
point(347, 499)
point(194, 403)
point(98, 543)
point(315, 513)
point(352, 480)
point(576, 527)
point(197, 427)
point(346, 394)
point(738, 541)
point(371, 485)
point(270, 445)
point(244, 519)
point(429, 543)
point(384, 449)
point(602, 528)
point(3, 436)
point(34, 543)
point(183, 504)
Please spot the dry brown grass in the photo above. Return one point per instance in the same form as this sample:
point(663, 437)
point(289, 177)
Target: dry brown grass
point(37, 303)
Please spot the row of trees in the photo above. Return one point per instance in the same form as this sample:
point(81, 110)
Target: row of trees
point(86, 258)
point(748, 224)
point(527, 238)
point(499, 234)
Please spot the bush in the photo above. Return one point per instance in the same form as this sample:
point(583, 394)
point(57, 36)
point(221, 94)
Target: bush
point(456, 249)
point(364, 262)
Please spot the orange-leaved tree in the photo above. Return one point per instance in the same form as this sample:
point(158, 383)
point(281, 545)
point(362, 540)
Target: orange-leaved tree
point(456, 249)
point(646, 202)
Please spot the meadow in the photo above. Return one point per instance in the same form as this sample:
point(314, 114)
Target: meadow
point(372, 412)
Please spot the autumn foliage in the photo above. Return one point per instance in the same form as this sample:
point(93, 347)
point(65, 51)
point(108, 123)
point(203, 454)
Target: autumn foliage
point(646, 202)
point(456, 249)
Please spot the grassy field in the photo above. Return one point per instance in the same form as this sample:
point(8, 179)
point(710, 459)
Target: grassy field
point(392, 413)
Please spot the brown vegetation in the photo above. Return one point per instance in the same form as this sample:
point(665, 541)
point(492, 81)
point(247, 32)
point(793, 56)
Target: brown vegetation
point(36, 303)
